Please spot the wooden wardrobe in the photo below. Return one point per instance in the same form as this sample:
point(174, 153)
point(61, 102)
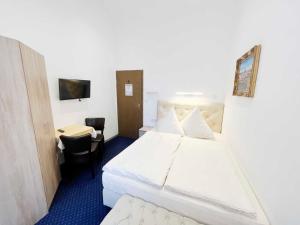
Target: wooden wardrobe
point(29, 171)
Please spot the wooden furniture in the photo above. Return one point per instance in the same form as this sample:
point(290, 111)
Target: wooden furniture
point(28, 165)
point(98, 124)
point(74, 130)
point(80, 150)
point(130, 102)
point(143, 130)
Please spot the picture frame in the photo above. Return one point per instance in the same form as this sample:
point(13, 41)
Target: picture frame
point(246, 73)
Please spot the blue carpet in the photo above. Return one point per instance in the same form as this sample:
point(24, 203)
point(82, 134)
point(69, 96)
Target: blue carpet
point(79, 201)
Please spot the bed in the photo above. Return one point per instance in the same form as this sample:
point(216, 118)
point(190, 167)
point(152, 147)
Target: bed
point(193, 177)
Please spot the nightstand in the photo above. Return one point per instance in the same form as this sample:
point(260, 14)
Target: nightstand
point(143, 130)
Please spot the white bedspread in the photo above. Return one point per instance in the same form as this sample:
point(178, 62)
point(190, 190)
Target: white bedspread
point(203, 169)
point(148, 159)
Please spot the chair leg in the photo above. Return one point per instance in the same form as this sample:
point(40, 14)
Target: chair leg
point(92, 170)
point(69, 173)
point(98, 155)
point(100, 151)
point(103, 146)
point(92, 167)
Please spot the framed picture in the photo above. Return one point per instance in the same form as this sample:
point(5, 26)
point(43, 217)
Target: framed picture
point(246, 73)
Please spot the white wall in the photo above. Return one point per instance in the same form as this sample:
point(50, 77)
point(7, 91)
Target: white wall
point(187, 45)
point(75, 38)
point(264, 130)
point(181, 45)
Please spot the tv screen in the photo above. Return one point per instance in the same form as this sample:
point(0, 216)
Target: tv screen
point(74, 89)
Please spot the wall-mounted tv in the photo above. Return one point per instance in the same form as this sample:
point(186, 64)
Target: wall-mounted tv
point(74, 89)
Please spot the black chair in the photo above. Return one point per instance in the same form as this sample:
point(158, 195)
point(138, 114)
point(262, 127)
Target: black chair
point(80, 150)
point(98, 125)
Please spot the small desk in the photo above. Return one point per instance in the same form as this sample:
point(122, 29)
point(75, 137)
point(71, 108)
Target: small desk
point(74, 130)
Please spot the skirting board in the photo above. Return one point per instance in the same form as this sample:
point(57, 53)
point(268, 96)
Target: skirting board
point(109, 139)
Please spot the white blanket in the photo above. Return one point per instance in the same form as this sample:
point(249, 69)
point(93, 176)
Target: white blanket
point(148, 159)
point(203, 169)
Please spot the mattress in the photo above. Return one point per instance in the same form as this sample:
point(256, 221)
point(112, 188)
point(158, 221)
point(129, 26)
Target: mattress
point(148, 159)
point(116, 186)
point(134, 211)
point(203, 169)
point(161, 168)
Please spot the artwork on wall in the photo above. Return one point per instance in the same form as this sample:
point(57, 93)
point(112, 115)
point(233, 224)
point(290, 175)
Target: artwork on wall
point(246, 73)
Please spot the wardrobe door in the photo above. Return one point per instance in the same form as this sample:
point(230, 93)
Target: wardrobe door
point(37, 88)
point(22, 197)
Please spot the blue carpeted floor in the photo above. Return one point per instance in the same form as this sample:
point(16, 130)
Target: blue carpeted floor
point(79, 201)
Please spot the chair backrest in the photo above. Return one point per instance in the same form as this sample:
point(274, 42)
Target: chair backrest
point(96, 123)
point(77, 144)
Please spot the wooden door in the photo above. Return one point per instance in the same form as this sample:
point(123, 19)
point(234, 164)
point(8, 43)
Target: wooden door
point(130, 102)
point(39, 99)
point(22, 197)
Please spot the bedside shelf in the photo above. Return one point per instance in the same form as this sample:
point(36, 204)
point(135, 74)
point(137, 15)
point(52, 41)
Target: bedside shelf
point(143, 130)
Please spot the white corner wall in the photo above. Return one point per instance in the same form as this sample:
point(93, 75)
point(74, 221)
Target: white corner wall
point(264, 130)
point(75, 38)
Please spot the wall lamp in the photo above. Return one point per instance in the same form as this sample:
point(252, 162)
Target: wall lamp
point(183, 93)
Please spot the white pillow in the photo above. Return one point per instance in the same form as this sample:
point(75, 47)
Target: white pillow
point(194, 125)
point(169, 123)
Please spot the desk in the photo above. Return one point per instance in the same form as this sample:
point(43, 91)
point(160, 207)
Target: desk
point(74, 130)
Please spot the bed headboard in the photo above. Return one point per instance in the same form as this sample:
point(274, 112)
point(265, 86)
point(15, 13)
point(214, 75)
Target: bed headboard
point(212, 112)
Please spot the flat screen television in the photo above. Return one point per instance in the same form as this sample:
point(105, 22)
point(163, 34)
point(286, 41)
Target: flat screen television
point(74, 89)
